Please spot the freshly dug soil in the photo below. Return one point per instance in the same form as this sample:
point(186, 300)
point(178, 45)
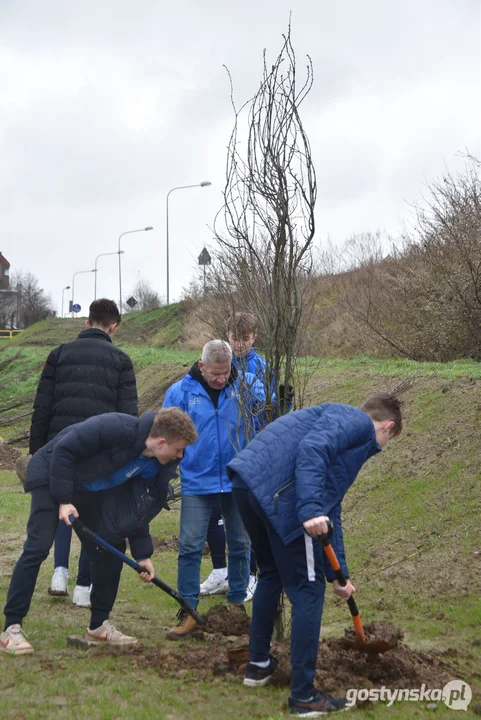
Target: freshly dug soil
point(338, 668)
point(378, 631)
point(8, 456)
point(225, 621)
point(225, 651)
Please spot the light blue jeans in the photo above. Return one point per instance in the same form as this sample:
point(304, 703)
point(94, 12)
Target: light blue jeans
point(195, 514)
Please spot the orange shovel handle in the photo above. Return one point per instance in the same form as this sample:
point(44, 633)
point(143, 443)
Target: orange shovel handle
point(334, 563)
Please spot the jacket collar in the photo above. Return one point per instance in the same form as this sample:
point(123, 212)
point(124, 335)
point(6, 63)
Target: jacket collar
point(94, 333)
point(195, 375)
point(143, 429)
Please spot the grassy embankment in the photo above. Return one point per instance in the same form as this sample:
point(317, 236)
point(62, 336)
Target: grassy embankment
point(411, 526)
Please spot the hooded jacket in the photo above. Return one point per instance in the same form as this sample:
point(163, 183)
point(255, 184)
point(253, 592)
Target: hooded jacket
point(222, 430)
point(302, 464)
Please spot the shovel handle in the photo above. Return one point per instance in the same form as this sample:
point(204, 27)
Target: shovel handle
point(334, 563)
point(81, 529)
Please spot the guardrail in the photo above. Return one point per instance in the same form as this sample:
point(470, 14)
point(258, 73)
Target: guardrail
point(9, 333)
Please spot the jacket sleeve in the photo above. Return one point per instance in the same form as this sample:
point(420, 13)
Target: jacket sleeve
point(316, 453)
point(174, 397)
point(43, 403)
point(127, 401)
point(254, 395)
point(141, 545)
point(83, 440)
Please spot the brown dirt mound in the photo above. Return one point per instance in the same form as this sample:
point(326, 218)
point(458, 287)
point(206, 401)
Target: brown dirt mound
point(8, 456)
point(338, 668)
point(378, 631)
point(226, 621)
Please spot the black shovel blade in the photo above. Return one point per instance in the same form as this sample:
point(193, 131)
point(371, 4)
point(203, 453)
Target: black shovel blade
point(374, 647)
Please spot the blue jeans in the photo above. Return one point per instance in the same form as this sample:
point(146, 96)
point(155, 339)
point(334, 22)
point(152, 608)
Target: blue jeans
point(195, 514)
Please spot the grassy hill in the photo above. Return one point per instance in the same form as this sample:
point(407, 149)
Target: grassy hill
point(411, 525)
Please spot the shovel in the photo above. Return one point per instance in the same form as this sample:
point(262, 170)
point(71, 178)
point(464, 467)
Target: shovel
point(85, 532)
point(373, 647)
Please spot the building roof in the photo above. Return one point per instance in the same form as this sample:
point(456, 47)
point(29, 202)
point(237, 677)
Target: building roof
point(4, 261)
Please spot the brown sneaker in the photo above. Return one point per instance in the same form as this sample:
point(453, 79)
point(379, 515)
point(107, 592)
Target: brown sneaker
point(237, 606)
point(184, 627)
point(109, 634)
point(13, 641)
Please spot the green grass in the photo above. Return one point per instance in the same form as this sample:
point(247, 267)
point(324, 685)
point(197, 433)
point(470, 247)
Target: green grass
point(411, 524)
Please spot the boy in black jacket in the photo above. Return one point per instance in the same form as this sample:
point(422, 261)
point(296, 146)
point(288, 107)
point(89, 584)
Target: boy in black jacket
point(88, 376)
point(112, 470)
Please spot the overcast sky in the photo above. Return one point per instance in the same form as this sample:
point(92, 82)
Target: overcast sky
point(107, 104)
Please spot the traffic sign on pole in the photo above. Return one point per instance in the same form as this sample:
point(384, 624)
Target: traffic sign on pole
point(76, 308)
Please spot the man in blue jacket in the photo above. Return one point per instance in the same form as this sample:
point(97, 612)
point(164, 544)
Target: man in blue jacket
point(241, 334)
point(112, 470)
point(288, 482)
point(224, 407)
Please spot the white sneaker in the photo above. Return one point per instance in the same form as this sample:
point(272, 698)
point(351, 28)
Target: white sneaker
point(216, 583)
point(59, 582)
point(251, 588)
point(81, 595)
point(109, 635)
point(14, 641)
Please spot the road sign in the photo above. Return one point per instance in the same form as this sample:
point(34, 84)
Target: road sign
point(76, 308)
point(204, 257)
point(131, 302)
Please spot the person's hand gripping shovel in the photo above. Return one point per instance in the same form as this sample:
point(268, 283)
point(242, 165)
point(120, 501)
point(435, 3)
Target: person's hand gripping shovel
point(87, 534)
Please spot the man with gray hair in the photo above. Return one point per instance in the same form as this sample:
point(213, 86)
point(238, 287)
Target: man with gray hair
point(224, 407)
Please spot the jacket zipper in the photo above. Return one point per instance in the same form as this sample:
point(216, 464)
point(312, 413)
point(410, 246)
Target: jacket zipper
point(218, 445)
point(280, 492)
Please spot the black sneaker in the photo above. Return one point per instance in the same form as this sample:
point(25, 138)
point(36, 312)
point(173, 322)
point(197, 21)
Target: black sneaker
point(258, 676)
point(319, 704)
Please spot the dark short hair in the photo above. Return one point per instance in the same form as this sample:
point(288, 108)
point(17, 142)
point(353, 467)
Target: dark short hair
point(384, 406)
point(104, 312)
point(241, 323)
point(173, 424)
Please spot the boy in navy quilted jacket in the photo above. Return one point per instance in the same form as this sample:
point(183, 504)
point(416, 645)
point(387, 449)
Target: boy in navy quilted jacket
point(113, 470)
point(287, 483)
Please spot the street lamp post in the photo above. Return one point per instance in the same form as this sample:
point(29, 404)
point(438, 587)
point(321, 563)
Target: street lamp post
point(127, 232)
point(67, 287)
point(79, 272)
point(102, 255)
point(204, 183)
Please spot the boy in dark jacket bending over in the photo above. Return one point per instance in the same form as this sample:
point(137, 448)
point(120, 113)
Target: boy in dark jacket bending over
point(113, 471)
point(287, 483)
point(85, 377)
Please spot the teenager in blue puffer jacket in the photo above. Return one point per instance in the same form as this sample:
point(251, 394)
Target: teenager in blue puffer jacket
point(288, 482)
point(224, 407)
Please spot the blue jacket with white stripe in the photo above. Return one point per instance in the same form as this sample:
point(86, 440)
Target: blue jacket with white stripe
point(302, 464)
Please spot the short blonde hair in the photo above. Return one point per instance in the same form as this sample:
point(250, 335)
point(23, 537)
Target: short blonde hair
point(173, 424)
